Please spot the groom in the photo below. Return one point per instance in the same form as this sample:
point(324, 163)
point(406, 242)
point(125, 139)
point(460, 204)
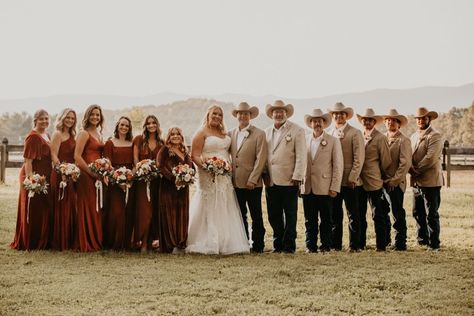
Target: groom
point(286, 167)
point(249, 153)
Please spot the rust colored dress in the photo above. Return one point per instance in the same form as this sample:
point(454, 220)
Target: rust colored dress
point(65, 208)
point(146, 212)
point(174, 203)
point(33, 233)
point(88, 234)
point(118, 217)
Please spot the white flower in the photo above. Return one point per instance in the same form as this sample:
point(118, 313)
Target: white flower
point(288, 137)
point(187, 177)
point(324, 142)
point(246, 134)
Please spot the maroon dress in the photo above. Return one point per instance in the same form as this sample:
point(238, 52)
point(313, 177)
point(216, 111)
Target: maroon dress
point(118, 217)
point(146, 211)
point(88, 232)
point(174, 203)
point(64, 201)
point(32, 224)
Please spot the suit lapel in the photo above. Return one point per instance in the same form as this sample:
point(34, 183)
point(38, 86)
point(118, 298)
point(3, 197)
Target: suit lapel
point(284, 131)
point(243, 140)
point(320, 146)
point(234, 139)
point(420, 139)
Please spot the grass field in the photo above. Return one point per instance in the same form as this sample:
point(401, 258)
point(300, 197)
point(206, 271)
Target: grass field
point(412, 282)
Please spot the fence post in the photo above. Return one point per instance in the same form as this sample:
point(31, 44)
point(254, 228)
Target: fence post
point(3, 162)
point(447, 162)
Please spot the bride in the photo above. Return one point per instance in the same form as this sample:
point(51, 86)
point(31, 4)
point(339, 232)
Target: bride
point(215, 221)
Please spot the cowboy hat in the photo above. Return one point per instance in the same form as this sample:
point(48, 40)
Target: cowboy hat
point(245, 107)
point(279, 104)
point(369, 113)
point(315, 114)
point(422, 112)
point(339, 107)
point(394, 114)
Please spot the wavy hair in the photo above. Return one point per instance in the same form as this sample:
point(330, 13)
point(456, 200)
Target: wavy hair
point(87, 114)
point(206, 120)
point(146, 133)
point(129, 134)
point(59, 124)
point(182, 147)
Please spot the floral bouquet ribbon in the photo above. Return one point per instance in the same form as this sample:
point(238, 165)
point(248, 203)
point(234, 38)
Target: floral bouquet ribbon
point(34, 183)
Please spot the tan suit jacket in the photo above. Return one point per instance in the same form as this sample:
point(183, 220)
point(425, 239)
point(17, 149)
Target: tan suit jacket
point(287, 159)
point(324, 171)
point(376, 163)
point(400, 152)
point(353, 153)
point(249, 159)
point(426, 159)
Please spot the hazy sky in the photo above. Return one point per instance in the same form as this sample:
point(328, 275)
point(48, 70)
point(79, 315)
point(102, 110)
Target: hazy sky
point(286, 48)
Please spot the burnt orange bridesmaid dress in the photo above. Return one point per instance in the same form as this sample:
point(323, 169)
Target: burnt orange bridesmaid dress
point(88, 231)
point(32, 224)
point(174, 203)
point(64, 201)
point(118, 217)
point(146, 218)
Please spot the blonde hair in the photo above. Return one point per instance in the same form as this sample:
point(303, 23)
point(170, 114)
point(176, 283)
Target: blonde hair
point(37, 115)
point(87, 114)
point(206, 121)
point(182, 147)
point(59, 124)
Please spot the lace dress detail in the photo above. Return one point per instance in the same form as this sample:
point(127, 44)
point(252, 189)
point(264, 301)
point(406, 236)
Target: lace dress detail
point(215, 221)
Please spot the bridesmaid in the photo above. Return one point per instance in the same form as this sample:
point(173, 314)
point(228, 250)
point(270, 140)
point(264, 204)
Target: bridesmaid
point(118, 221)
point(32, 221)
point(174, 203)
point(89, 147)
point(146, 146)
point(63, 143)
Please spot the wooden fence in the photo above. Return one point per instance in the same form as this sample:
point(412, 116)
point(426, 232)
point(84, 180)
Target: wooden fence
point(454, 158)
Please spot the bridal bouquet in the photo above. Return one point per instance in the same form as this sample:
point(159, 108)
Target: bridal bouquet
point(147, 171)
point(217, 166)
point(101, 167)
point(122, 177)
point(34, 184)
point(68, 172)
point(184, 174)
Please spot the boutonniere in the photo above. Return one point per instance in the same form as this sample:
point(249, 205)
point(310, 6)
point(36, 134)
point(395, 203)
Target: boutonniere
point(368, 138)
point(324, 142)
point(340, 134)
point(246, 134)
point(391, 140)
point(288, 138)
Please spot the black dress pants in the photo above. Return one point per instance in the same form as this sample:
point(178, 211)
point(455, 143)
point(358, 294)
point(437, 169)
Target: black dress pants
point(317, 206)
point(252, 198)
point(426, 201)
point(378, 215)
point(351, 199)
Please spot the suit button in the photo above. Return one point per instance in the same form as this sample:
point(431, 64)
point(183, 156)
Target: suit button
point(236, 167)
point(236, 156)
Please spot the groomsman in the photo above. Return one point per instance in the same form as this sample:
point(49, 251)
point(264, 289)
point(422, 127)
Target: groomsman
point(376, 163)
point(285, 169)
point(323, 180)
point(395, 180)
point(249, 153)
point(353, 153)
point(426, 178)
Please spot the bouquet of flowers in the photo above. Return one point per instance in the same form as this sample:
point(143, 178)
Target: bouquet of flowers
point(68, 172)
point(123, 177)
point(217, 166)
point(101, 167)
point(184, 174)
point(34, 184)
point(147, 171)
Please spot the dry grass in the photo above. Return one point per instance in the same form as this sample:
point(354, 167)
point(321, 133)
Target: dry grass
point(414, 282)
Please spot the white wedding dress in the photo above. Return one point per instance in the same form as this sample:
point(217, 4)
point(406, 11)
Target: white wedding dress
point(215, 222)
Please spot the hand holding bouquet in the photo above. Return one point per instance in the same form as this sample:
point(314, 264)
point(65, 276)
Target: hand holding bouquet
point(34, 183)
point(147, 171)
point(184, 174)
point(68, 172)
point(102, 168)
point(217, 166)
point(123, 177)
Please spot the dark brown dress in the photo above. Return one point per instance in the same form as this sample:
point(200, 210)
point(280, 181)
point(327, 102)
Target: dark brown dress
point(65, 208)
point(118, 217)
point(146, 212)
point(88, 234)
point(174, 203)
point(32, 234)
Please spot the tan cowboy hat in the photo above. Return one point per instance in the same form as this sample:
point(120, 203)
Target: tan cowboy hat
point(279, 104)
point(318, 113)
point(422, 112)
point(245, 107)
point(394, 114)
point(369, 113)
point(339, 107)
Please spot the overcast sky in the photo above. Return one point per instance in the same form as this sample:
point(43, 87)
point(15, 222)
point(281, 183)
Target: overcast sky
point(286, 48)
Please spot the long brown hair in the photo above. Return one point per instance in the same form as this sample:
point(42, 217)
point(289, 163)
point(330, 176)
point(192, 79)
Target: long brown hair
point(87, 114)
point(206, 120)
point(129, 135)
point(146, 133)
point(59, 124)
point(182, 147)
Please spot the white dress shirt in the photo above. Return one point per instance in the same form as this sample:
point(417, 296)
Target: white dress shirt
point(339, 132)
point(277, 134)
point(241, 134)
point(315, 142)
